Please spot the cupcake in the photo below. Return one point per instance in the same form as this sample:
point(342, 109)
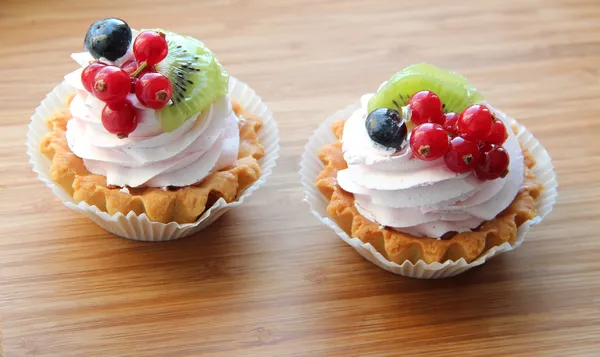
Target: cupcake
point(425, 178)
point(150, 137)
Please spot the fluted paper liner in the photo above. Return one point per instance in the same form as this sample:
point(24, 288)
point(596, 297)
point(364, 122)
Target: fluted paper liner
point(140, 227)
point(311, 166)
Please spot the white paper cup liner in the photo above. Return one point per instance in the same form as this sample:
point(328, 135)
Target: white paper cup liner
point(311, 166)
point(140, 227)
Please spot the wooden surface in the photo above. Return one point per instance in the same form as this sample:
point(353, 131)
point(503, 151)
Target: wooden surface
point(268, 279)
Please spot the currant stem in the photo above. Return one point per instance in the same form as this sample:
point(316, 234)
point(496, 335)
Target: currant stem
point(139, 69)
point(425, 150)
point(468, 159)
point(100, 86)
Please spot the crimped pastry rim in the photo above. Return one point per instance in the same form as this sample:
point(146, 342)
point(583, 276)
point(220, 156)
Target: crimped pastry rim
point(310, 166)
point(40, 164)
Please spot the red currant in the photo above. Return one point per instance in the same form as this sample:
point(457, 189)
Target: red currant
point(88, 73)
point(493, 164)
point(475, 122)
point(150, 47)
point(119, 118)
point(485, 147)
point(425, 107)
point(132, 86)
point(130, 66)
point(462, 156)
point(153, 90)
point(429, 141)
point(450, 120)
point(498, 134)
point(111, 84)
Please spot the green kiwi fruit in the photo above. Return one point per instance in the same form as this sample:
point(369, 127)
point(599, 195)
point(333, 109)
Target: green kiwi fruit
point(437, 73)
point(453, 89)
point(197, 78)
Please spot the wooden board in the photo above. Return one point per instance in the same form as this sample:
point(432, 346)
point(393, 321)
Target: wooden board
point(268, 279)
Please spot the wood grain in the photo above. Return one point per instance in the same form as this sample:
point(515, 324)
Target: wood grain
point(268, 279)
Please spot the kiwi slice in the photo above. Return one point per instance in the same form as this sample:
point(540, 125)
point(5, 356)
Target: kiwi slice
point(197, 77)
point(453, 89)
point(437, 73)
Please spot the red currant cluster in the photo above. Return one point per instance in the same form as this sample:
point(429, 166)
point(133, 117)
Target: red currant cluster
point(469, 141)
point(112, 84)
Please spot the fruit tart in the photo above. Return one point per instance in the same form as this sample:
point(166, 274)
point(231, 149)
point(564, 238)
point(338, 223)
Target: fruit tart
point(425, 173)
point(154, 136)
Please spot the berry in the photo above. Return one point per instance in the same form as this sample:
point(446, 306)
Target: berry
point(109, 38)
point(119, 118)
point(475, 122)
point(150, 47)
point(429, 141)
point(130, 66)
point(153, 90)
point(426, 107)
point(386, 128)
point(450, 120)
point(498, 134)
point(88, 74)
point(485, 147)
point(462, 156)
point(132, 85)
point(111, 84)
point(493, 164)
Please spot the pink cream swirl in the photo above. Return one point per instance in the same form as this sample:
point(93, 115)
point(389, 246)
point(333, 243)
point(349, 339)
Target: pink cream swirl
point(149, 157)
point(419, 197)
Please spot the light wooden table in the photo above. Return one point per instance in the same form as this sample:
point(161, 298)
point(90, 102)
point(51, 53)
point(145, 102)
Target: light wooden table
point(268, 279)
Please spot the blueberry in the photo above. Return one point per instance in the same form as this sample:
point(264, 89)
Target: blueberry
point(108, 38)
point(386, 128)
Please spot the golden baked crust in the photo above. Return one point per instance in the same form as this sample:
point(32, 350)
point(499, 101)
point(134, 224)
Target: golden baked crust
point(399, 247)
point(181, 205)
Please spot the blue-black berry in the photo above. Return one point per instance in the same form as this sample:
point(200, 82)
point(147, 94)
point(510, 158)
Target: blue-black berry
point(386, 128)
point(109, 38)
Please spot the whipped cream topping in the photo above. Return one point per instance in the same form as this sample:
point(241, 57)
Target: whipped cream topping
point(149, 157)
point(422, 198)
